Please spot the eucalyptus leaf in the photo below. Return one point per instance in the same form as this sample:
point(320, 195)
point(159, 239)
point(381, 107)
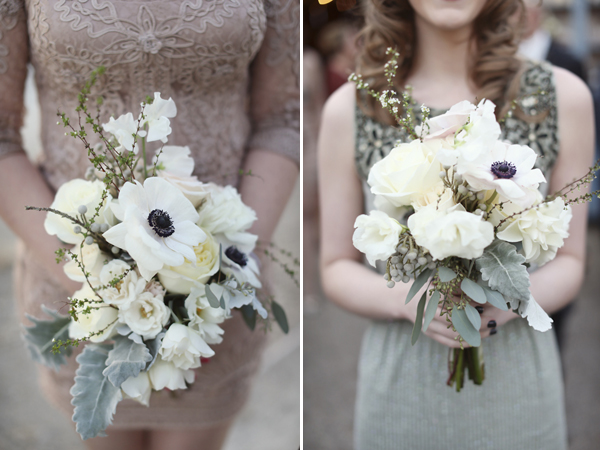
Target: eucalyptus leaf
point(126, 359)
point(418, 284)
point(222, 303)
point(502, 267)
point(495, 298)
point(473, 316)
point(154, 346)
point(249, 315)
point(95, 398)
point(41, 335)
point(280, 316)
point(212, 298)
point(419, 319)
point(473, 290)
point(445, 274)
point(431, 309)
point(465, 328)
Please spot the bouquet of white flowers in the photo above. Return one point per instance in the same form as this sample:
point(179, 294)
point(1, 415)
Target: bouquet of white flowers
point(477, 220)
point(163, 260)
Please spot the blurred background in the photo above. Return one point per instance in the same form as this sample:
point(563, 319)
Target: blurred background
point(270, 419)
point(564, 32)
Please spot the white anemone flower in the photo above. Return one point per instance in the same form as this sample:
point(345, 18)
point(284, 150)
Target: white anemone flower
point(123, 129)
point(158, 225)
point(157, 116)
point(508, 169)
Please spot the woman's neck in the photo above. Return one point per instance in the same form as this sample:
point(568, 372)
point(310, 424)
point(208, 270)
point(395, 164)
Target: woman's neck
point(440, 73)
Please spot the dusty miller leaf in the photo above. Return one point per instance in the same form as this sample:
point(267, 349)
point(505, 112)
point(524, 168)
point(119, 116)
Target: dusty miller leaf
point(126, 359)
point(502, 267)
point(94, 396)
point(39, 338)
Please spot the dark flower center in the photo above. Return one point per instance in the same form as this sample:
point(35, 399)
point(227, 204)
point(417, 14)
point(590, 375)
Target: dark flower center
point(161, 223)
point(504, 169)
point(236, 256)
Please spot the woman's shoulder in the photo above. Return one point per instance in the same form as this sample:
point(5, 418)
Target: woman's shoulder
point(573, 95)
point(339, 107)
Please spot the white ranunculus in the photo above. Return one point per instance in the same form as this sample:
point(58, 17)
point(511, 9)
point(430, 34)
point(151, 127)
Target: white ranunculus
point(146, 315)
point(376, 235)
point(101, 317)
point(450, 122)
point(164, 374)
point(225, 212)
point(440, 196)
point(156, 116)
point(93, 260)
point(126, 290)
point(138, 388)
point(176, 166)
point(542, 230)
point(506, 168)
point(69, 197)
point(123, 129)
point(158, 225)
point(181, 279)
point(450, 232)
point(184, 346)
point(204, 318)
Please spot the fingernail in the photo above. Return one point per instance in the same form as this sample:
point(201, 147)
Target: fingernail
point(493, 331)
point(479, 309)
point(492, 324)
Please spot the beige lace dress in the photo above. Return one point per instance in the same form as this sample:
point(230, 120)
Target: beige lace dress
point(232, 67)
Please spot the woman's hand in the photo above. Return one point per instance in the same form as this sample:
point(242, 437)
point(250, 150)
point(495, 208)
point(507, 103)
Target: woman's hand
point(492, 318)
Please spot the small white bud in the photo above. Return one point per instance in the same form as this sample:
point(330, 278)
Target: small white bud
point(480, 195)
point(422, 261)
point(447, 166)
point(386, 276)
point(395, 260)
point(408, 267)
point(442, 174)
point(403, 249)
point(390, 284)
point(482, 206)
point(431, 265)
point(95, 227)
point(462, 189)
point(89, 240)
point(411, 256)
point(104, 227)
point(115, 250)
point(82, 209)
point(405, 279)
point(77, 229)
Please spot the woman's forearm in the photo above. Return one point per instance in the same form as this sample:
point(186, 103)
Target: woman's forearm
point(21, 185)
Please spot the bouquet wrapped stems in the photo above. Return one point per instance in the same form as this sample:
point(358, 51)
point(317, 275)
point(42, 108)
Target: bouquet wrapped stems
point(470, 359)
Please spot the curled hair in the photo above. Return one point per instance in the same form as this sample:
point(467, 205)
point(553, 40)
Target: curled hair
point(494, 70)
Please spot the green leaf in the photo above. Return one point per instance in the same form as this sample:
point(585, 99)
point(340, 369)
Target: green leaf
point(249, 315)
point(495, 298)
point(212, 298)
point(445, 274)
point(431, 309)
point(465, 328)
point(95, 398)
point(419, 319)
point(473, 290)
point(418, 284)
point(40, 336)
point(502, 267)
point(280, 316)
point(222, 303)
point(126, 359)
point(473, 316)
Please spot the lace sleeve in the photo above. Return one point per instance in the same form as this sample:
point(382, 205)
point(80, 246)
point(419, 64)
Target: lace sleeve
point(275, 88)
point(13, 71)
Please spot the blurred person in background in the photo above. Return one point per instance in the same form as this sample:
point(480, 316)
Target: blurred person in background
point(451, 51)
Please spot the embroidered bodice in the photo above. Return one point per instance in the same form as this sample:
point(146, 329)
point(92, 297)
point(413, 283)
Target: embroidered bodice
point(232, 67)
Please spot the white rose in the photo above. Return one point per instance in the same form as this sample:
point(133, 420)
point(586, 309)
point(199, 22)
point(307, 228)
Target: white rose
point(69, 197)
point(101, 317)
point(542, 230)
point(440, 196)
point(184, 346)
point(146, 315)
point(203, 317)
point(224, 212)
point(176, 166)
point(450, 122)
point(138, 388)
point(450, 232)
point(376, 235)
point(164, 374)
point(93, 260)
point(126, 290)
point(181, 279)
point(407, 173)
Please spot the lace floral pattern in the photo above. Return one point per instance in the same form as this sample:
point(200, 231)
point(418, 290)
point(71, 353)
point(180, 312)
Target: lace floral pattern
point(9, 10)
point(537, 94)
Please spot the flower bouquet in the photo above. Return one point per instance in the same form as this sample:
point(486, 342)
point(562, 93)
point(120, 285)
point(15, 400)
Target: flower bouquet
point(476, 221)
point(162, 257)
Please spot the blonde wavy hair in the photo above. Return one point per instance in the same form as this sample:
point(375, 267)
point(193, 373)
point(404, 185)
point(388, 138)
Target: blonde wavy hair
point(494, 70)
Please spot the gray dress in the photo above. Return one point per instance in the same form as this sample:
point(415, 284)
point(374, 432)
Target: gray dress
point(403, 401)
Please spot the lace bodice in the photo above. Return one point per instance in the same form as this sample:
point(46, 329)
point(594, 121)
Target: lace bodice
point(232, 67)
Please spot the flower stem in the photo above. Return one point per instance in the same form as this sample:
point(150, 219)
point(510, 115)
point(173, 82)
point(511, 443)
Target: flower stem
point(144, 158)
